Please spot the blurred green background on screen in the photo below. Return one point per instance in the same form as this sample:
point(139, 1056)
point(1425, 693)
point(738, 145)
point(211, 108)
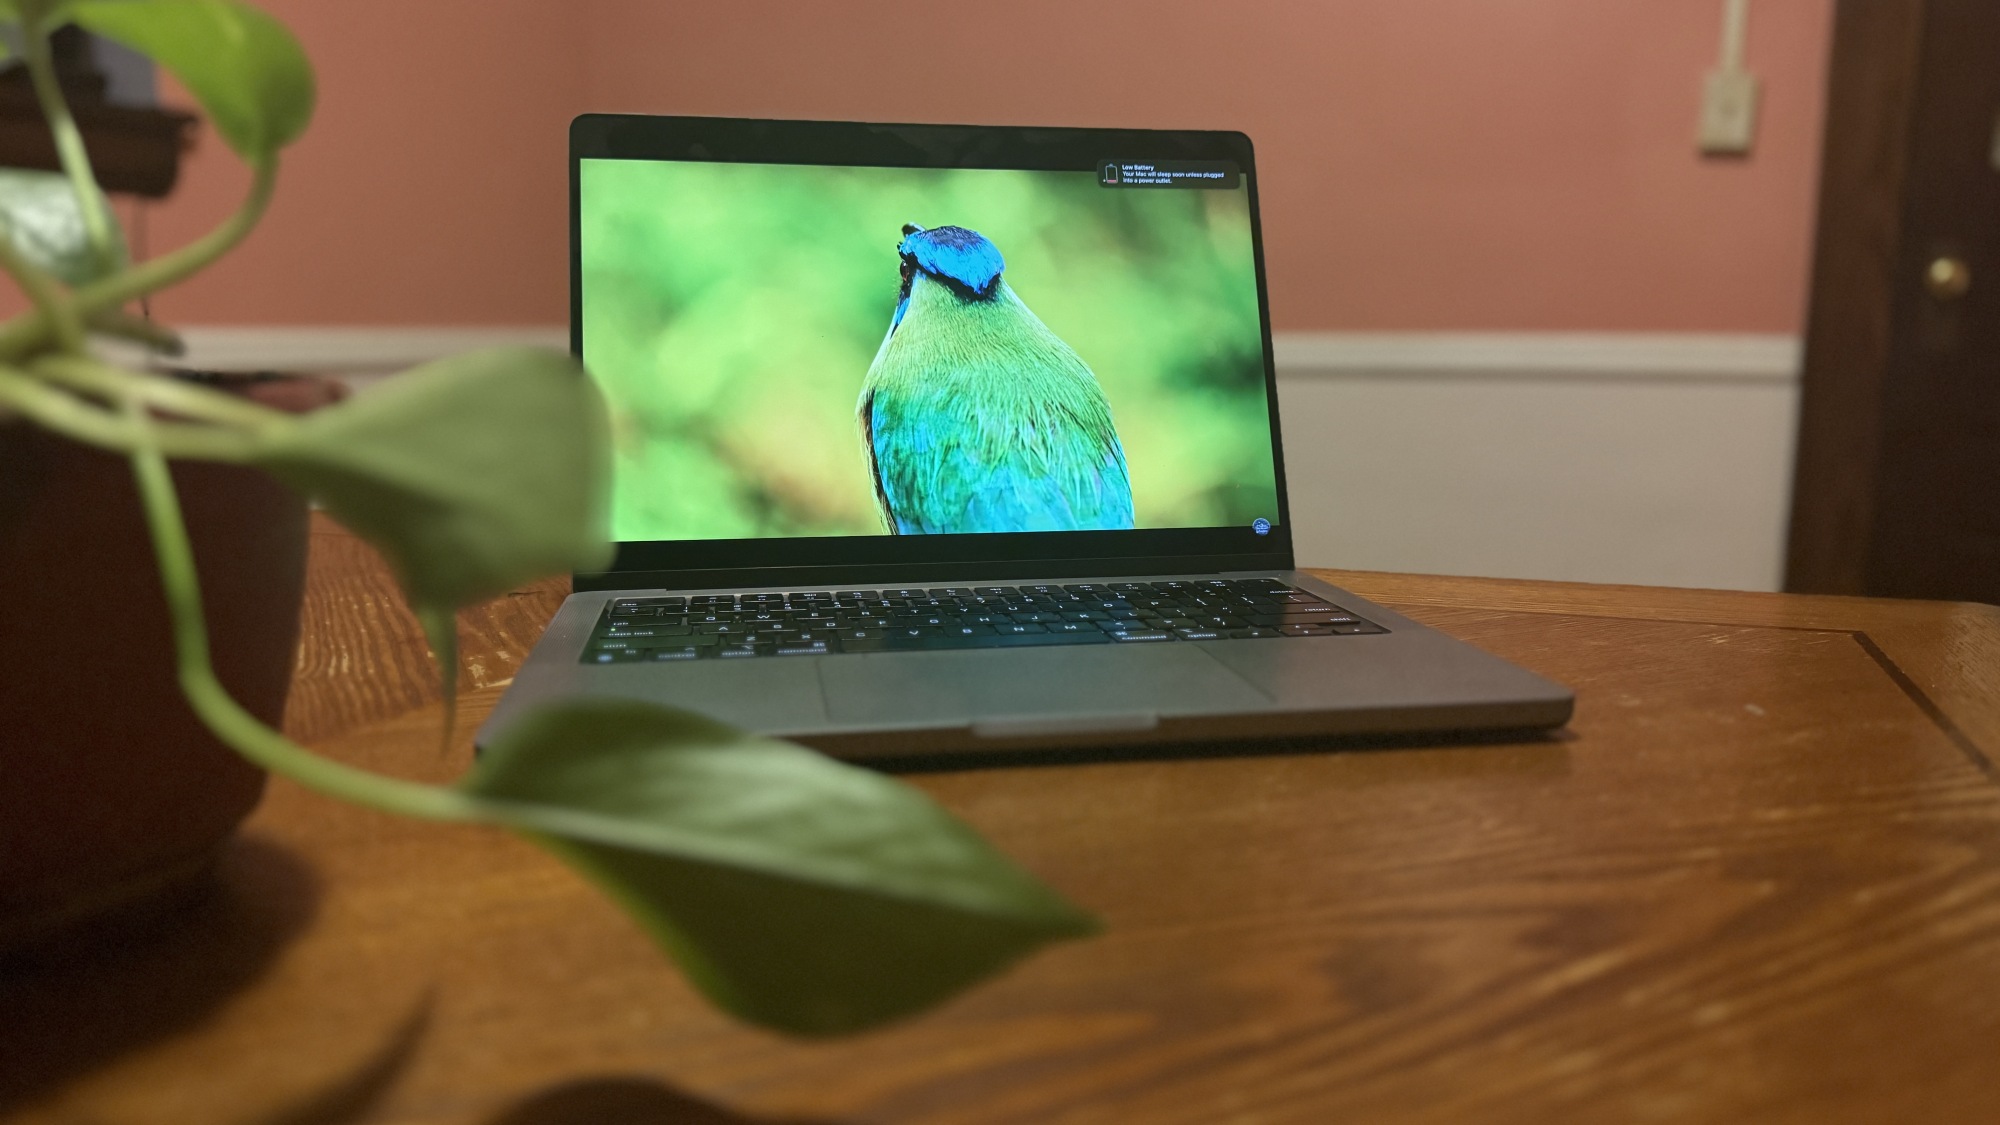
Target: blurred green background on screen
point(731, 311)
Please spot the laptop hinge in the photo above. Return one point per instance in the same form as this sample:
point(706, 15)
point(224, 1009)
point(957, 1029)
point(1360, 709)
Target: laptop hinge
point(890, 574)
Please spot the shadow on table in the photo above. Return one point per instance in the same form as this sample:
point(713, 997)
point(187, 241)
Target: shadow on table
point(349, 1098)
point(77, 1003)
point(627, 1100)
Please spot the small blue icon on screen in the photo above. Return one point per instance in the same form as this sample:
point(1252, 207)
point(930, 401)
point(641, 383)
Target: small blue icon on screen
point(1261, 526)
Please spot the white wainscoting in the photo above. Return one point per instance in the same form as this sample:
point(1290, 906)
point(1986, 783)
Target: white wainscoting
point(1618, 457)
point(1653, 459)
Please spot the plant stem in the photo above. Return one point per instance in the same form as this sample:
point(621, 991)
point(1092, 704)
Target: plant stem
point(211, 701)
point(151, 276)
point(82, 420)
point(69, 145)
point(152, 336)
point(166, 393)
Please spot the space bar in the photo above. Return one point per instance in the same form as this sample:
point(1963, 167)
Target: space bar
point(947, 640)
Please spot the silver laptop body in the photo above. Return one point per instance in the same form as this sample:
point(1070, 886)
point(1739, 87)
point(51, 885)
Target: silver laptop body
point(936, 443)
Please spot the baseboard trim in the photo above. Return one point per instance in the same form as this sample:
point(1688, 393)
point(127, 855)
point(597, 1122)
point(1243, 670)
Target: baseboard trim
point(349, 349)
point(1623, 356)
point(1643, 356)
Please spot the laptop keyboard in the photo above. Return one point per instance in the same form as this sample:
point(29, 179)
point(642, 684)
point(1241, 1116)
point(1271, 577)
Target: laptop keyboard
point(825, 622)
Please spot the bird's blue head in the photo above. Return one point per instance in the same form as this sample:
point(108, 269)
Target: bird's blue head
point(961, 259)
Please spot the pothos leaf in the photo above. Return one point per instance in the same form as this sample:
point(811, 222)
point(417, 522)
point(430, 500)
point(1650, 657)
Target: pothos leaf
point(250, 75)
point(44, 221)
point(472, 475)
point(796, 892)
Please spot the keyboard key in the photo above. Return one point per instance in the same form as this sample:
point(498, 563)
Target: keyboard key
point(1306, 630)
point(1304, 619)
point(1357, 628)
point(1132, 635)
point(915, 620)
point(1200, 634)
point(818, 648)
point(655, 638)
point(995, 591)
point(864, 595)
point(731, 652)
point(1072, 627)
point(1254, 633)
point(1018, 629)
point(683, 652)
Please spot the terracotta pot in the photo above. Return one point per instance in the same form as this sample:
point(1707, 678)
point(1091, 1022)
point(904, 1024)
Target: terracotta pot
point(112, 793)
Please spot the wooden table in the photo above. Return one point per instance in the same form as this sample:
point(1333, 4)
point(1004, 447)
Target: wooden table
point(1757, 880)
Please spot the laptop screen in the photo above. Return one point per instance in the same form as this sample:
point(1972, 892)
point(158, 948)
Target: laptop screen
point(794, 350)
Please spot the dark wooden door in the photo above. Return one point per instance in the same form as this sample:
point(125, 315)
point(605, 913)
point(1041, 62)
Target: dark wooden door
point(1897, 490)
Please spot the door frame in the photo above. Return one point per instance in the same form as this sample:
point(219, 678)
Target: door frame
point(1872, 87)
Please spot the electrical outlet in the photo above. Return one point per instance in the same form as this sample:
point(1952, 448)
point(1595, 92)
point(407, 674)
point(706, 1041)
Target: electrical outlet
point(1728, 112)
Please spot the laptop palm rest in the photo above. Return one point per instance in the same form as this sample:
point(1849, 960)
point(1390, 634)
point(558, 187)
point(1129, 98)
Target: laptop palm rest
point(1009, 693)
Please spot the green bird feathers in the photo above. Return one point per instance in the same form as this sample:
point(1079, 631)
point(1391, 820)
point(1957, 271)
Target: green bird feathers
point(976, 417)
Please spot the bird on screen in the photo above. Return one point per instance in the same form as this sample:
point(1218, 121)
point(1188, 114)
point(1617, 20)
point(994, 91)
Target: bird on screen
point(974, 416)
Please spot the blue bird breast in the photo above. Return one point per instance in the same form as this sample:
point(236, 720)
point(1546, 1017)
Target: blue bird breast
point(975, 417)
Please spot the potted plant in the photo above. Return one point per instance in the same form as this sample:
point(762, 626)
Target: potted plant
point(796, 892)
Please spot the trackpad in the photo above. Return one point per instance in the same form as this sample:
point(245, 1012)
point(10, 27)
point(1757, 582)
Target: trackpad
point(966, 686)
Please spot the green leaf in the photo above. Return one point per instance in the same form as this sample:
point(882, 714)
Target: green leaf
point(796, 892)
point(45, 223)
point(249, 73)
point(472, 475)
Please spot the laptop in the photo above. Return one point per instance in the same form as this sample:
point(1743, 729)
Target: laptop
point(934, 441)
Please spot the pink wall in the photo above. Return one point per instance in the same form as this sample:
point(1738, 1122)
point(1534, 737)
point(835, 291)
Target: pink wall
point(431, 188)
point(1427, 164)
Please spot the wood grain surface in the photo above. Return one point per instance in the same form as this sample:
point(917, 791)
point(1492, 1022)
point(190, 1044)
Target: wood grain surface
point(1758, 879)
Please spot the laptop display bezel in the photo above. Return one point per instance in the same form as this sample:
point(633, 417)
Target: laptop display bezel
point(821, 560)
